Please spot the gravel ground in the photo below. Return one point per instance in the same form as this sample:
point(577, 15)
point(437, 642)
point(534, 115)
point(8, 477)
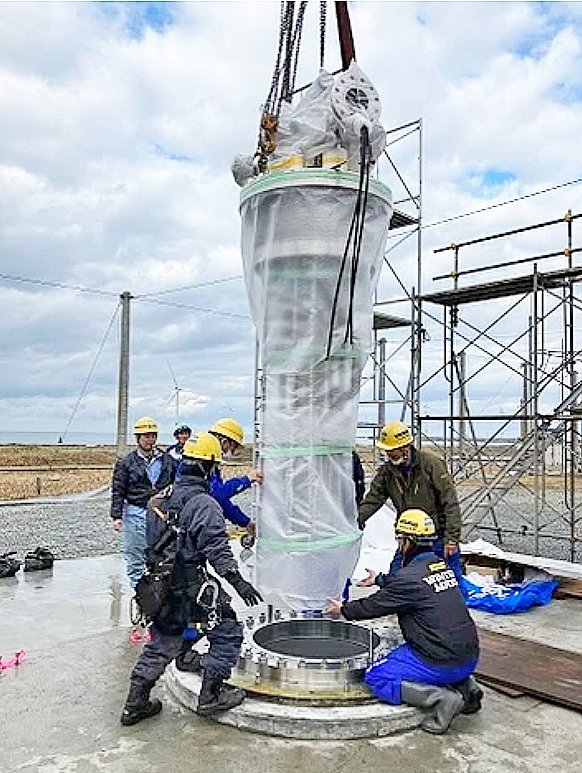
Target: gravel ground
point(70, 529)
point(82, 528)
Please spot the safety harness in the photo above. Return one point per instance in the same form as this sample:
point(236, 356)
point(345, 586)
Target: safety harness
point(169, 581)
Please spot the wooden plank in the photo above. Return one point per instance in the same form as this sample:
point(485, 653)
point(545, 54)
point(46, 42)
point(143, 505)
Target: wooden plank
point(502, 688)
point(569, 589)
point(553, 566)
point(548, 673)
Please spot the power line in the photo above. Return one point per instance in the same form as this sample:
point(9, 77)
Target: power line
point(503, 203)
point(191, 287)
point(59, 285)
point(193, 308)
point(494, 206)
point(144, 298)
point(91, 370)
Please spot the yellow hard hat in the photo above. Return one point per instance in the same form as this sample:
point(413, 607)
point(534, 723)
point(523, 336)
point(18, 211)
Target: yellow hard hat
point(417, 525)
point(204, 447)
point(229, 428)
point(394, 435)
point(144, 425)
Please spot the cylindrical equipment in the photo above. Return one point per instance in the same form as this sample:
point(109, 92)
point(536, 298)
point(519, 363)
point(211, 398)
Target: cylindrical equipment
point(314, 323)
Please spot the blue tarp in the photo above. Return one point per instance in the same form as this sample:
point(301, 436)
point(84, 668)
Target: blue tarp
point(507, 600)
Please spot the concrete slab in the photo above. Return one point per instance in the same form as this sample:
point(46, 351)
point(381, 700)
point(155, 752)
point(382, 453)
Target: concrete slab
point(60, 708)
point(292, 720)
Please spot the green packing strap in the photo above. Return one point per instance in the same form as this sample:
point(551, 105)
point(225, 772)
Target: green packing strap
point(307, 546)
point(291, 452)
point(297, 354)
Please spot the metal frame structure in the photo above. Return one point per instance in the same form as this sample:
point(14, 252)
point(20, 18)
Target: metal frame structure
point(405, 180)
point(494, 472)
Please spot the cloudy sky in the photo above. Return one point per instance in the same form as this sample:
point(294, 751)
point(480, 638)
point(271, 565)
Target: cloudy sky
point(118, 124)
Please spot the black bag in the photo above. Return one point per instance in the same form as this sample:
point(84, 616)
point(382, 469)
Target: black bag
point(153, 590)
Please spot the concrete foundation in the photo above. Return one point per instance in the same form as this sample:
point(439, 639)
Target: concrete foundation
point(293, 720)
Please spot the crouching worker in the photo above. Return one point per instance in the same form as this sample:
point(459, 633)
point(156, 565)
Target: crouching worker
point(185, 535)
point(433, 669)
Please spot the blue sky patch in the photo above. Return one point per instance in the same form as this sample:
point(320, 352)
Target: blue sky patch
point(165, 153)
point(139, 16)
point(486, 183)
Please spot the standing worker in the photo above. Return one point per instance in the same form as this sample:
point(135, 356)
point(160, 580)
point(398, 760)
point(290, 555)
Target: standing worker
point(230, 435)
point(137, 477)
point(182, 433)
point(433, 668)
point(411, 478)
point(200, 537)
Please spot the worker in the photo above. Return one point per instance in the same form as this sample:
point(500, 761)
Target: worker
point(200, 538)
point(230, 435)
point(411, 478)
point(136, 477)
point(433, 668)
point(182, 433)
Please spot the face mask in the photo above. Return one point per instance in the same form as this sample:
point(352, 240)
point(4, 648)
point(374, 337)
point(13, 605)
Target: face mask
point(400, 462)
point(227, 455)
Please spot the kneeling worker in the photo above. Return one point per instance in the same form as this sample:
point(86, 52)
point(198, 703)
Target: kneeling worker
point(200, 537)
point(433, 669)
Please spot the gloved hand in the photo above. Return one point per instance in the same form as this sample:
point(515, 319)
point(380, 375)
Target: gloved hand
point(249, 594)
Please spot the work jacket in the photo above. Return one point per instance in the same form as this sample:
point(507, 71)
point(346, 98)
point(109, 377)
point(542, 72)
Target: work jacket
point(202, 534)
point(223, 491)
point(131, 483)
point(428, 486)
point(431, 611)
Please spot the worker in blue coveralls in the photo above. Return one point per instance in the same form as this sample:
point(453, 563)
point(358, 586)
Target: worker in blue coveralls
point(193, 595)
point(230, 434)
point(433, 668)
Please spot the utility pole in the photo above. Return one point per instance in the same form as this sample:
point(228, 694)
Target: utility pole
point(382, 383)
point(123, 388)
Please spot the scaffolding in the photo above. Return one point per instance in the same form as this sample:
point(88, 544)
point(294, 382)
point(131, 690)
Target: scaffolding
point(516, 469)
point(388, 392)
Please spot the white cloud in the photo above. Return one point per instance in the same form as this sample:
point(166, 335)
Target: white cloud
point(117, 129)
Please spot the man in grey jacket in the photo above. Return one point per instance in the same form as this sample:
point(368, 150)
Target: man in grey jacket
point(193, 597)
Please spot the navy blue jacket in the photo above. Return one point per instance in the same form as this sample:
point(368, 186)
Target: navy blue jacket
point(431, 611)
point(203, 533)
point(131, 483)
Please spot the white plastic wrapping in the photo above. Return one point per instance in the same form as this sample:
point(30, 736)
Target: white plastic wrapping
point(294, 231)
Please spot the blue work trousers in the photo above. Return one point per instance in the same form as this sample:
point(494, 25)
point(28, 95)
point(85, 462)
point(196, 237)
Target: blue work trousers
point(225, 643)
point(385, 676)
point(134, 544)
point(438, 547)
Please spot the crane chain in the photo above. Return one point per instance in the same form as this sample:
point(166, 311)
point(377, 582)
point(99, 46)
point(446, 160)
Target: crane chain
point(322, 24)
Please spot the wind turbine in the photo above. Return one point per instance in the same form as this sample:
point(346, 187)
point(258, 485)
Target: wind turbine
point(176, 395)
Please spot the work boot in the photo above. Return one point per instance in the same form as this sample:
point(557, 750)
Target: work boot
point(216, 696)
point(138, 705)
point(38, 559)
point(8, 565)
point(189, 660)
point(445, 702)
point(472, 695)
